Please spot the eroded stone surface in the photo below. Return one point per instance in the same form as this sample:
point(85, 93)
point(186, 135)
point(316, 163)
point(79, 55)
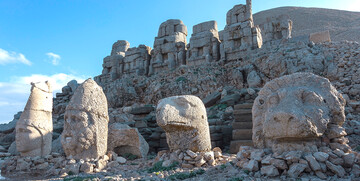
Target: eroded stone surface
point(204, 44)
point(124, 139)
point(86, 123)
point(294, 112)
point(184, 120)
point(169, 46)
point(34, 128)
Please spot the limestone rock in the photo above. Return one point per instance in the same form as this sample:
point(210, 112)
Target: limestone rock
point(124, 139)
point(320, 37)
point(337, 169)
point(34, 128)
point(251, 166)
point(270, 171)
point(184, 120)
point(296, 169)
point(321, 156)
point(86, 123)
point(315, 166)
point(284, 112)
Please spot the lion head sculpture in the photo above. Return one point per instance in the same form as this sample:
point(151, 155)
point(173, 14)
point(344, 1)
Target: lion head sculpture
point(295, 112)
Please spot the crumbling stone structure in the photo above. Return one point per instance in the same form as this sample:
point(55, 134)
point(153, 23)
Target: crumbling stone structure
point(137, 60)
point(184, 120)
point(239, 34)
point(34, 128)
point(204, 44)
point(113, 65)
point(276, 28)
point(169, 47)
point(298, 112)
point(86, 123)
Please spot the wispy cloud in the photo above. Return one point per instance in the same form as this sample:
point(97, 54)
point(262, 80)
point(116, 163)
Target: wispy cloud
point(7, 57)
point(14, 94)
point(54, 58)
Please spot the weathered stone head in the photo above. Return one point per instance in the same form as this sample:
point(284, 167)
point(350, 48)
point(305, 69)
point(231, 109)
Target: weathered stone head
point(86, 122)
point(294, 112)
point(184, 120)
point(34, 128)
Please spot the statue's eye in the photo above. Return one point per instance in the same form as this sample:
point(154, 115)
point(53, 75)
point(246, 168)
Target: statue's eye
point(274, 99)
point(261, 101)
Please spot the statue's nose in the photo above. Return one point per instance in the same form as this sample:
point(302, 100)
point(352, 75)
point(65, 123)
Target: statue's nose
point(284, 117)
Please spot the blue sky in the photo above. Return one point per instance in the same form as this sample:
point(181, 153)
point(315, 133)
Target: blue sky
point(67, 39)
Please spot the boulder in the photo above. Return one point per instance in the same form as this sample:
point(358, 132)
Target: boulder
point(124, 139)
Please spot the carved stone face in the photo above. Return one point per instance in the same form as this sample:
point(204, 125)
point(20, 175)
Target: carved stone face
point(78, 131)
point(295, 112)
point(27, 134)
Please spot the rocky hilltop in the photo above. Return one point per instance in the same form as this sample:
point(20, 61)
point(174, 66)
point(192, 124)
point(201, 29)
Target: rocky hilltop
point(287, 107)
point(343, 25)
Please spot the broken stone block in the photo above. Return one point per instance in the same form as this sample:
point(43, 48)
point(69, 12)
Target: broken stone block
point(124, 139)
point(34, 128)
point(320, 37)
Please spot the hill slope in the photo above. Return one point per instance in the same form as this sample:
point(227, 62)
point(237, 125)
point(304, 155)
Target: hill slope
point(343, 25)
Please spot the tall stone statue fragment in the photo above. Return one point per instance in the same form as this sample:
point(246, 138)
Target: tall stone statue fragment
point(34, 128)
point(297, 112)
point(86, 123)
point(184, 120)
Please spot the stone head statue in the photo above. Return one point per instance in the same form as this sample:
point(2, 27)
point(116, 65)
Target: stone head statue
point(184, 120)
point(34, 128)
point(295, 111)
point(86, 122)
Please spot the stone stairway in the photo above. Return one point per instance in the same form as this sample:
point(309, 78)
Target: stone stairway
point(242, 127)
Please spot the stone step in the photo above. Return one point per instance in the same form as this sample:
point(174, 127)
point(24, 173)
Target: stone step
point(243, 118)
point(243, 106)
point(242, 134)
point(242, 111)
point(235, 145)
point(241, 125)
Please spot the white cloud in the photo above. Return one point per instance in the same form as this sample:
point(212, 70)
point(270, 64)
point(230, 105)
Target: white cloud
point(7, 57)
point(14, 94)
point(54, 58)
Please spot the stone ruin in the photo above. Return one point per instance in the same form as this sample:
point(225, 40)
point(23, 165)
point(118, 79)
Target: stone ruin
point(239, 34)
point(320, 37)
point(184, 120)
point(113, 65)
point(299, 112)
point(204, 46)
point(207, 44)
point(34, 128)
point(86, 123)
point(169, 46)
point(137, 60)
point(276, 28)
point(317, 147)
